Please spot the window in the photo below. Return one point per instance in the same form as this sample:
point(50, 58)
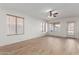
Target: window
point(71, 28)
point(56, 26)
point(20, 25)
point(44, 26)
point(51, 27)
point(15, 24)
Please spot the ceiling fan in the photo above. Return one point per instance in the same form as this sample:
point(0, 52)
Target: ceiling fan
point(53, 13)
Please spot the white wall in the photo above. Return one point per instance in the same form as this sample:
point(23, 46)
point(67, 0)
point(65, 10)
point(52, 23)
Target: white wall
point(32, 28)
point(63, 29)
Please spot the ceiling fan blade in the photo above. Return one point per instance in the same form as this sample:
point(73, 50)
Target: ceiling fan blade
point(55, 14)
point(50, 13)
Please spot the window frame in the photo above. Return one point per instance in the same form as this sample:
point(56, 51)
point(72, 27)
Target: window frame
point(73, 30)
point(51, 27)
point(44, 27)
point(16, 25)
point(55, 26)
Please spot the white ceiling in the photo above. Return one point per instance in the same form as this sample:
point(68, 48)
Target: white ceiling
point(38, 9)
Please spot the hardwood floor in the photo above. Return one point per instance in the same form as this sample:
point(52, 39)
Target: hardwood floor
point(43, 46)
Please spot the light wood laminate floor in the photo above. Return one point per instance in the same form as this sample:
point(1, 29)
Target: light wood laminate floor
point(43, 46)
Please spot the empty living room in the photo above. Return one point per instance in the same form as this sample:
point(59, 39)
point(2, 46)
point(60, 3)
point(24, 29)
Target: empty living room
point(39, 28)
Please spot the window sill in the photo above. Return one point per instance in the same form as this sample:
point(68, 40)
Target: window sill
point(14, 34)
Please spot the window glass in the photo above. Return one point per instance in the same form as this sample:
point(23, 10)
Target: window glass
point(20, 25)
point(15, 25)
point(11, 25)
point(71, 28)
point(56, 26)
point(51, 27)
